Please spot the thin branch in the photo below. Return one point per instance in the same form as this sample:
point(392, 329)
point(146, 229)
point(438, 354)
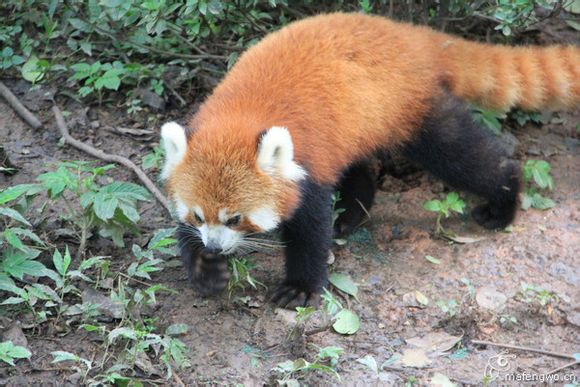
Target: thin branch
point(22, 111)
point(568, 365)
point(525, 349)
point(109, 158)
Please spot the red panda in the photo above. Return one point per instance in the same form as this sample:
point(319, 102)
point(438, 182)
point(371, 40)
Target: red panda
point(298, 115)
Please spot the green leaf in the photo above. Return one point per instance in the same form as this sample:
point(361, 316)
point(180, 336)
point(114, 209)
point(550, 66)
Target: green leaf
point(347, 322)
point(109, 80)
point(88, 263)
point(105, 206)
point(13, 301)
point(432, 205)
point(31, 70)
point(61, 263)
point(11, 213)
point(17, 263)
point(370, 362)
point(82, 71)
point(460, 354)
point(56, 182)
point(12, 239)
point(60, 356)
point(433, 260)
point(9, 352)
point(14, 192)
point(122, 332)
point(9, 286)
point(344, 283)
point(29, 234)
point(330, 352)
point(542, 203)
point(527, 201)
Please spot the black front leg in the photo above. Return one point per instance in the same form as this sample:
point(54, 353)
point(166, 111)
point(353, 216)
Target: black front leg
point(208, 272)
point(308, 239)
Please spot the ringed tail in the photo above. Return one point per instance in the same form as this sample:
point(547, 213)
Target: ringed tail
point(502, 77)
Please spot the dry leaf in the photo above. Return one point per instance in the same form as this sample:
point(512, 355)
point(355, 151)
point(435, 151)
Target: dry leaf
point(434, 343)
point(415, 357)
point(440, 380)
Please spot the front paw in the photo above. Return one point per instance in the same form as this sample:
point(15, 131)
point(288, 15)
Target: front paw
point(494, 217)
point(209, 273)
point(290, 296)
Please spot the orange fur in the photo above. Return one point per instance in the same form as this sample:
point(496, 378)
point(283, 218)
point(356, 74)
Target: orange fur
point(345, 85)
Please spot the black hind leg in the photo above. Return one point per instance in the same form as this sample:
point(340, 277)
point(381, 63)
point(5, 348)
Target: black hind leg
point(357, 191)
point(468, 157)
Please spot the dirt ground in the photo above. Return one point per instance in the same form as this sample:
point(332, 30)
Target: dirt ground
point(232, 343)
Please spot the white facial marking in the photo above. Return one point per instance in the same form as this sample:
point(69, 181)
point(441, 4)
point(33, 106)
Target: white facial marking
point(220, 236)
point(265, 218)
point(175, 144)
point(276, 154)
point(181, 209)
point(223, 215)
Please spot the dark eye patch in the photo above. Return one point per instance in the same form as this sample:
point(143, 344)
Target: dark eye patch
point(197, 217)
point(233, 221)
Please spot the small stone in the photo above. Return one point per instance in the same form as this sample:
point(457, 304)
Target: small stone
point(489, 298)
point(15, 335)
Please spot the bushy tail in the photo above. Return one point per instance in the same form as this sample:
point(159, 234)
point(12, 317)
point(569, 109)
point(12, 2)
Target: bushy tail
point(501, 77)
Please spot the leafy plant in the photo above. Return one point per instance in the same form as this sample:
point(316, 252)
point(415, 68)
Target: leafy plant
point(240, 275)
point(444, 208)
point(507, 320)
point(533, 293)
point(538, 172)
point(450, 307)
point(61, 356)
point(10, 352)
point(153, 159)
point(9, 59)
point(291, 369)
point(491, 119)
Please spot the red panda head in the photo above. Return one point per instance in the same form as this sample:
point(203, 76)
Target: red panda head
point(227, 185)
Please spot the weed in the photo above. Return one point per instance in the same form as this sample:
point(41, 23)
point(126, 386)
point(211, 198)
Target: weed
point(81, 365)
point(507, 320)
point(450, 307)
point(444, 208)
point(153, 159)
point(533, 293)
point(491, 119)
point(240, 275)
point(538, 172)
point(324, 361)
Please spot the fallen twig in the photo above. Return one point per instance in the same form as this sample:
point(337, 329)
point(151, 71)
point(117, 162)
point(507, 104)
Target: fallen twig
point(22, 111)
point(110, 158)
point(525, 349)
point(572, 364)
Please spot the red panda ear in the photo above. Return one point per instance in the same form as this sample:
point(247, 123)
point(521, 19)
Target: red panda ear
point(276, 154)
point(175, 145)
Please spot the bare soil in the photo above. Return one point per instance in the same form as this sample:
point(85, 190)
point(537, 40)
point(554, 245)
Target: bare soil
point(236, 343)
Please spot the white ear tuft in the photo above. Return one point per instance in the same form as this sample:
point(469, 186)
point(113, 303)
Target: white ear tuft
point(175, 144)
point(276, 154)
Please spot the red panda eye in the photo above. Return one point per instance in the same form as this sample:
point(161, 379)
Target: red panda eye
point(233, 221)
point(197, 218)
